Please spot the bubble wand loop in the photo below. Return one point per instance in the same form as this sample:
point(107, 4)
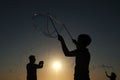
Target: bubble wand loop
point(56, 28)
point(53, 22)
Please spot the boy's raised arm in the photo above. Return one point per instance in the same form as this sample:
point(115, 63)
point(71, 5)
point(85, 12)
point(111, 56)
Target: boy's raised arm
point(64, 47)
point(40, 65)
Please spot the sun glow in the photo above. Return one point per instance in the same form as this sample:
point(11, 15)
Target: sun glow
point(57, 65)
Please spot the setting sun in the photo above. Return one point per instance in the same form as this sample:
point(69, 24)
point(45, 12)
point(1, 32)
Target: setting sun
point(56, 65)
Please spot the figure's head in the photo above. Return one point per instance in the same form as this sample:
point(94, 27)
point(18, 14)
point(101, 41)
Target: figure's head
point(83, 40)
point(113, 74)
point(32, 59)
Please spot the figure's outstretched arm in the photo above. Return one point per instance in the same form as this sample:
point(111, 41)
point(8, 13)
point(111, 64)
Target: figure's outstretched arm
point(64, 47)
point(107, 74)
point(40, 65)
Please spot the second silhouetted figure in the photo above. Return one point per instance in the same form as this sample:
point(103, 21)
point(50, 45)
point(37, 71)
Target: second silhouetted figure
point(32, 68)
point(112, 76)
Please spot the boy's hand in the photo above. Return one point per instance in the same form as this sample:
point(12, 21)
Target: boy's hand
point(60, 38)
point(74, 41)
point(41, 62)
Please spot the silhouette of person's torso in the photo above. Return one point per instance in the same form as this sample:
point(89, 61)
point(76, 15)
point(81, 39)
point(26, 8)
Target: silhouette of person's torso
point(82, 64)
point(31, 71)
point(113, 77)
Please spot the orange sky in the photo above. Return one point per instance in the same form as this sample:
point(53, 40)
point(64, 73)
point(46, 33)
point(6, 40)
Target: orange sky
point(48, 73)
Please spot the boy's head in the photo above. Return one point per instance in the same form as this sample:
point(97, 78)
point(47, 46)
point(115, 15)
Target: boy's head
point(32, 59)
point(83, 40)
point(113, 74)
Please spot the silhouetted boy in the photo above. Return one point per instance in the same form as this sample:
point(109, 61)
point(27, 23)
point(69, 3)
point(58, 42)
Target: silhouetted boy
point(82, 56)
point(32, 68)
point(112, 76)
